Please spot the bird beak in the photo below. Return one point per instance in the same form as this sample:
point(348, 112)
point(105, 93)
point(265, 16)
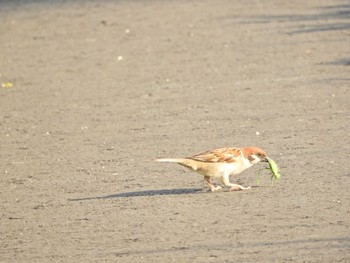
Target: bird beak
point(265, 160)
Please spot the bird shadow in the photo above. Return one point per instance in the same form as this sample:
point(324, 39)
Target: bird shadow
point(180, 191)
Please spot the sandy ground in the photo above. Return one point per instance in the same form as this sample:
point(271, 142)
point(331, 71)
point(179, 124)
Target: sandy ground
point(101, 88)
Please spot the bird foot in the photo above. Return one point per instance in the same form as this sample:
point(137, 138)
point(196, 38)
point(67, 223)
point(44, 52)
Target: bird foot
point(215, 188)
point(239, 187)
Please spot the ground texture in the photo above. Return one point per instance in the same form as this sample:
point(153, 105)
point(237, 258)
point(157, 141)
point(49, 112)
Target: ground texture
point(92, 91)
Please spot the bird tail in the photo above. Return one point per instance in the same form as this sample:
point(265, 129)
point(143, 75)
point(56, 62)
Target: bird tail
point(191, 164)
point(170, 160)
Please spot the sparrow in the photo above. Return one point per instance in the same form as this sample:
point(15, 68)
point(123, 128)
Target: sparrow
point(221, 163)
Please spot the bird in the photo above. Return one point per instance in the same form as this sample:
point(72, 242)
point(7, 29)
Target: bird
point(221, 163)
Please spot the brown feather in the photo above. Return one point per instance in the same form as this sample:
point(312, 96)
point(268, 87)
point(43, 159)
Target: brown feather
point(247, 151)
point(220, 155)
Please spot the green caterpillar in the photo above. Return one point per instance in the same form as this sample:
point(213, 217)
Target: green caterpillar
point(275, 170)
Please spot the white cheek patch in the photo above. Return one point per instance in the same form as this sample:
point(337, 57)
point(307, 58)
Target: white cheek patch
point(255, 159)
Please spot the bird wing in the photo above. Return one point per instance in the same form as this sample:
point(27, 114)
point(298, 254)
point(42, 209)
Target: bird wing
point(220, 155)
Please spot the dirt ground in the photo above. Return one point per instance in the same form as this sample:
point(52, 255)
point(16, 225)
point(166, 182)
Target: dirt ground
point(101, 88)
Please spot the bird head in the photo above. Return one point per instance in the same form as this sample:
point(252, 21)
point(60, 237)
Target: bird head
point(254, 154)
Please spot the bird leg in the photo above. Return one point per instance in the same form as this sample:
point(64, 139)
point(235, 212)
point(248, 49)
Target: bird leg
point(234, 187)
point(211, 186)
